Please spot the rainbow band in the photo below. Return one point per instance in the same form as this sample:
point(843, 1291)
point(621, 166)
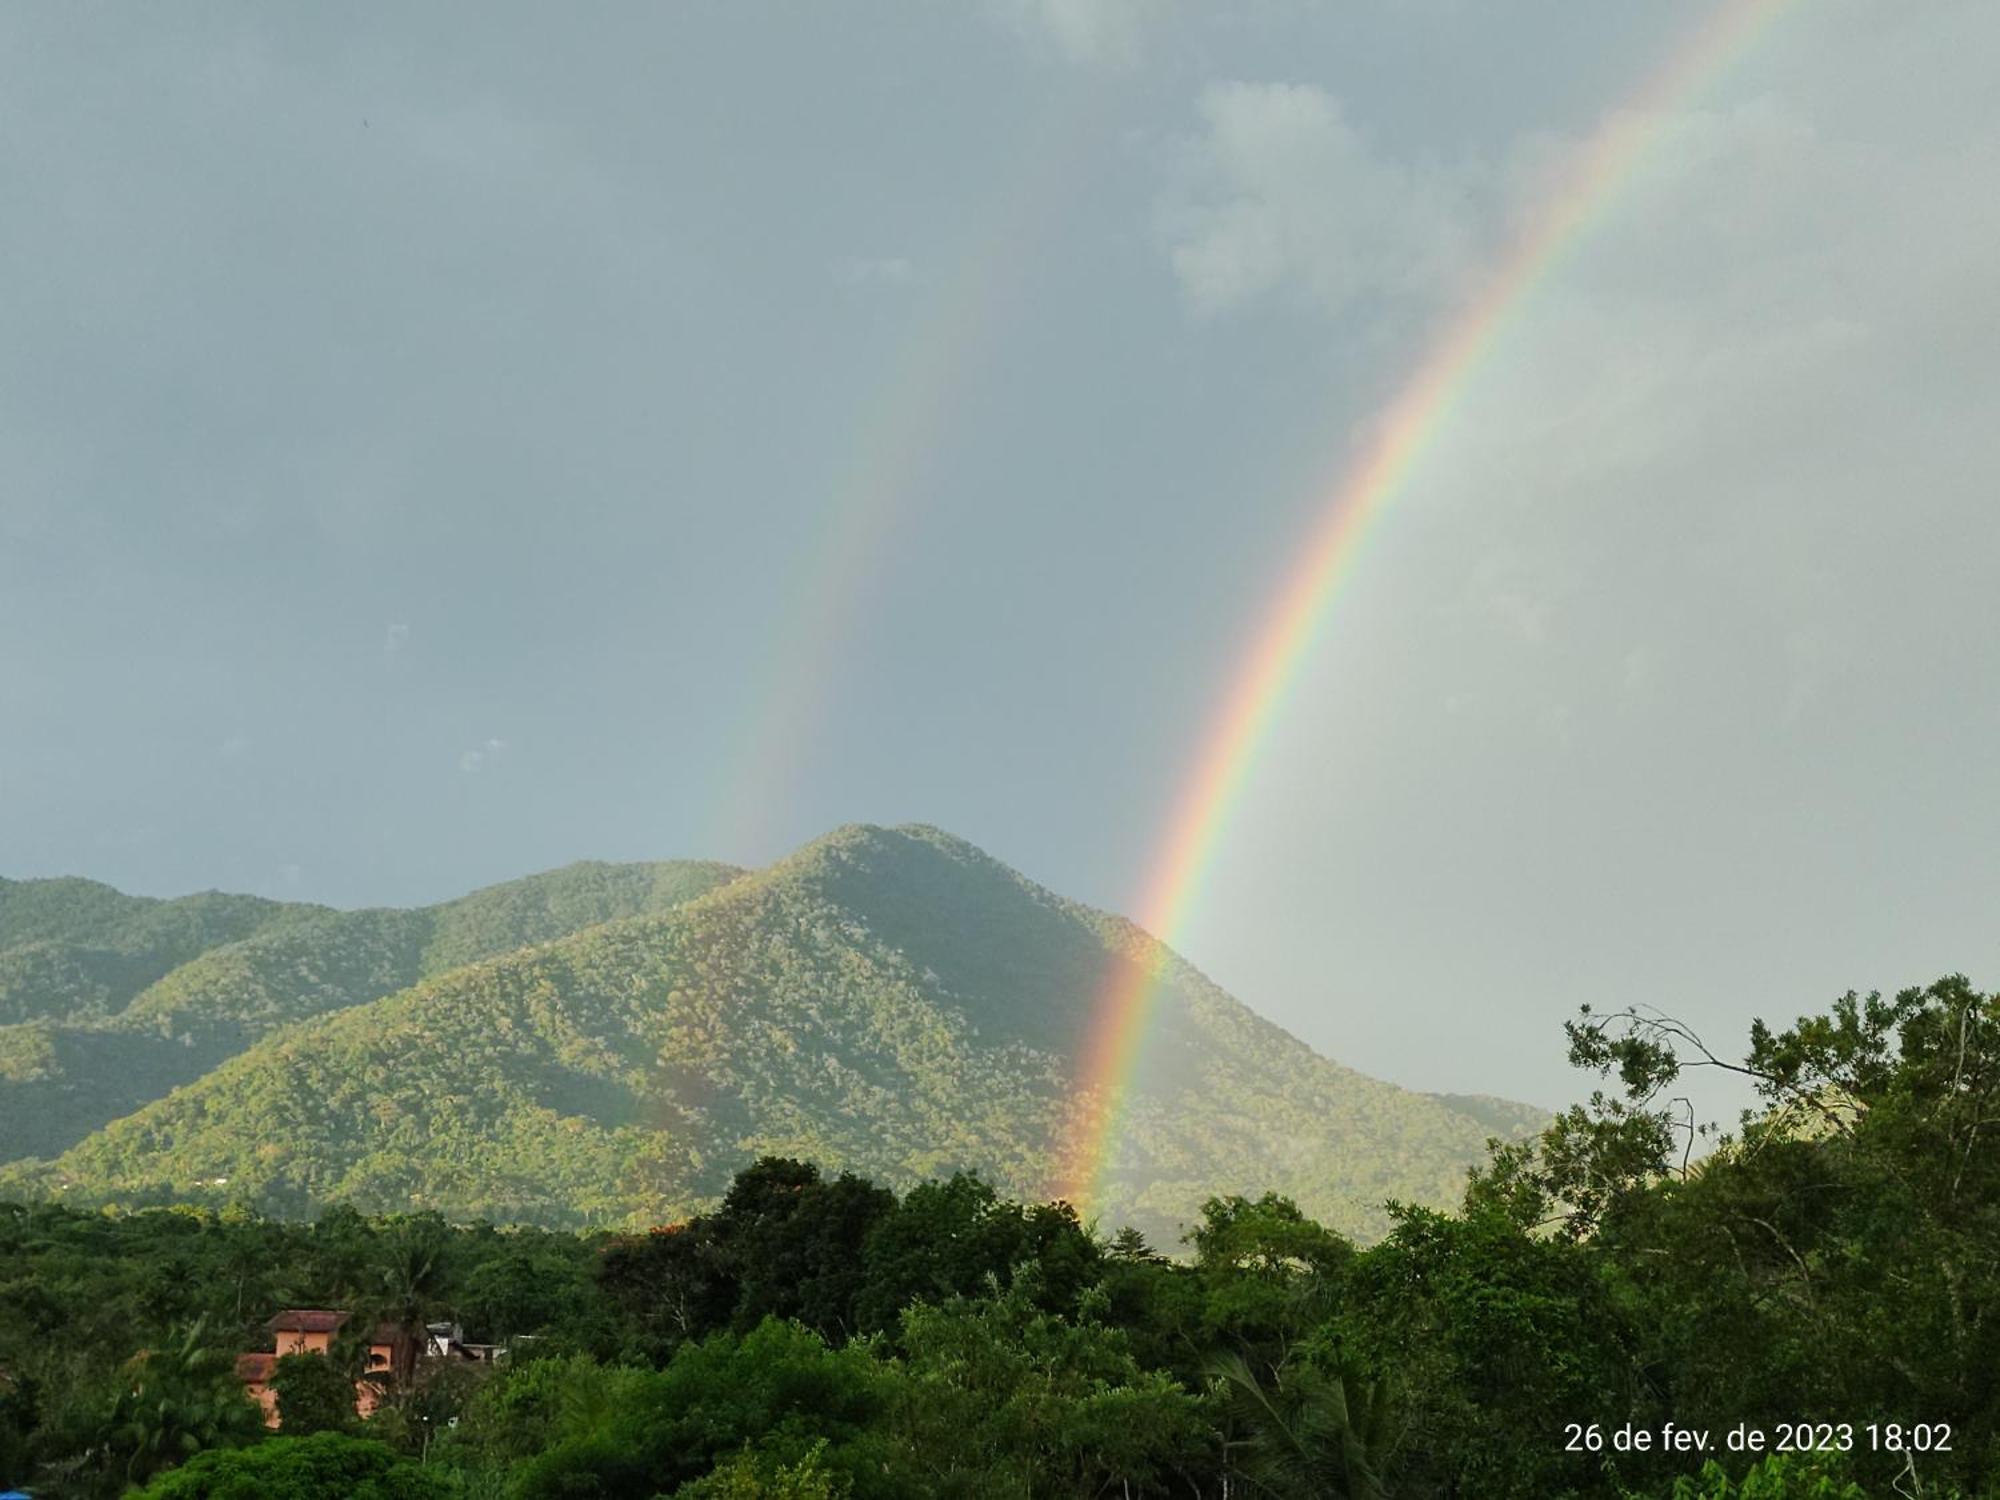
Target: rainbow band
point(910, 421)
point(1383, 470)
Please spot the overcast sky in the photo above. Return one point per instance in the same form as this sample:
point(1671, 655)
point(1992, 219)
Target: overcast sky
point(445, 442)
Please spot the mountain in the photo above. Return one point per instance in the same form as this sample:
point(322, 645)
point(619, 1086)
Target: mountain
point(77, 950)
point(891, 1001)
point(108, 1001)
point(1501, 1117)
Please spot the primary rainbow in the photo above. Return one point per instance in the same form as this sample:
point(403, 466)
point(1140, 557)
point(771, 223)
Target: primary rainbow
point(1387, 459)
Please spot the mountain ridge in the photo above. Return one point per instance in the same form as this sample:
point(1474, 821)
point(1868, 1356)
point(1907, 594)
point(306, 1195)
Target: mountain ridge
point(82, 1056)
point(895, 1001)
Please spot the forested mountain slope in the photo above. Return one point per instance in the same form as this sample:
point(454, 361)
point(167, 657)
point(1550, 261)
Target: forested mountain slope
point(892, 1001)
point(73, 950)
point(114, 1000)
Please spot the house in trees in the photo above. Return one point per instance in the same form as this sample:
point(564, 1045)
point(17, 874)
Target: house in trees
point(393, 1356)
point(447, 1341)
point(312, 1330)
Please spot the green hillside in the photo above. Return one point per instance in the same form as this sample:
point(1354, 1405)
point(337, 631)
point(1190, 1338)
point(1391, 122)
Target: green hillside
point(1501, 1117)
point(114, 1000)
point(894, 1002)
point(74, 950)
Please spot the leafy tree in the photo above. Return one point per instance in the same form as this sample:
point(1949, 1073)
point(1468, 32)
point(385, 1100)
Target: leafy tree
point(1129, 1246)
point(1838, 1257)
point(315, 1394)
point(19, 1417)
point(1486, 1334)
point(1266, 1273)
point(530, 1282)
point(960, 1238)
point(745, 1478)
point(1834, 1259)
point(325, 1466)
point(416, 1414)
point(674, 1284)
point(780, 1391)
point(413, 1274)
point(997, 1396)
point(182, 1400)
point(1310, 1431)
point(795, 1242)
point(1782, 1476)
point(529, 1407)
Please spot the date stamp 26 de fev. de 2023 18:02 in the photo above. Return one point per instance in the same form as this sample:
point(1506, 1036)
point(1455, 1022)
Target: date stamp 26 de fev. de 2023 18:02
point(1744, 1437)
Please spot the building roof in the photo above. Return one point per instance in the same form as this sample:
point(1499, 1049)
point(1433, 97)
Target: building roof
point(255, 1366)
point(307, 1320)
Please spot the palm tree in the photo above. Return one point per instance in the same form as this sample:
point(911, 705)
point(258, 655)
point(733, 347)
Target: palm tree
point(412, 1277)
point(183, 1399)
point(1314, 1433)
point(246, 1260)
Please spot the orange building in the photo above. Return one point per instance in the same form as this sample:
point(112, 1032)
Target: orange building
point(311, 1330)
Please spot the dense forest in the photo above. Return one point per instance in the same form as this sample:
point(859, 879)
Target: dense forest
point(1609, 1312)
point(109, 1001)
point(607, 1044)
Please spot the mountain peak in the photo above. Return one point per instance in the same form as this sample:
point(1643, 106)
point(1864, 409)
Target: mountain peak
point(887, 999)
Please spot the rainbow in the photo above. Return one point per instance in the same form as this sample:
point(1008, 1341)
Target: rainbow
point(908, 422)
point(1388, 458)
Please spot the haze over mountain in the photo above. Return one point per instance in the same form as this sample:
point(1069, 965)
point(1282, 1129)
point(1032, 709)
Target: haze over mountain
point(608, 1044)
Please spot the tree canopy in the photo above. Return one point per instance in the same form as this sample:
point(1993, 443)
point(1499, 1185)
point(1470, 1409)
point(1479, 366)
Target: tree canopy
point(1834, 1261)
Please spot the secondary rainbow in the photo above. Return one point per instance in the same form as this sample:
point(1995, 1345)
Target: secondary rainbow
point(1382, 469)
point(898, 440)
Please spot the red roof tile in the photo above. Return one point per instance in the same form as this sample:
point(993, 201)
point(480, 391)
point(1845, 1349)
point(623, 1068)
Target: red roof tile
point(307, 1320)
point(255, 1366)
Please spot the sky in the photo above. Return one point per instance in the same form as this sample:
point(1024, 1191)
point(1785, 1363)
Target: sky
point(441, 443)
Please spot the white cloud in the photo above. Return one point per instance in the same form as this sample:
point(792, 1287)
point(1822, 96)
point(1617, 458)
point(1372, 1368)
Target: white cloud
point(1681, 607)
point(1280, 191)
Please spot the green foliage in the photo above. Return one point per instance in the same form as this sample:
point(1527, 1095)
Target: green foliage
point(20, 1417)
point(956, 1238)
point(887, 1002)
point(72, 948)
point(796, 1244)
point(1488, 1334)
point(1782, 1476)
point(120, 999)
point(325, 1466)
point(1258, 1265)
point(1308, 1430)
point(746, 1477)
point(841, 1257)
point(315, 1394)
point(181, 1400)
point(997, 1396)
point(800, 1330)
point(94, 1306)
point(1838, 1259)
point(780, 1392)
